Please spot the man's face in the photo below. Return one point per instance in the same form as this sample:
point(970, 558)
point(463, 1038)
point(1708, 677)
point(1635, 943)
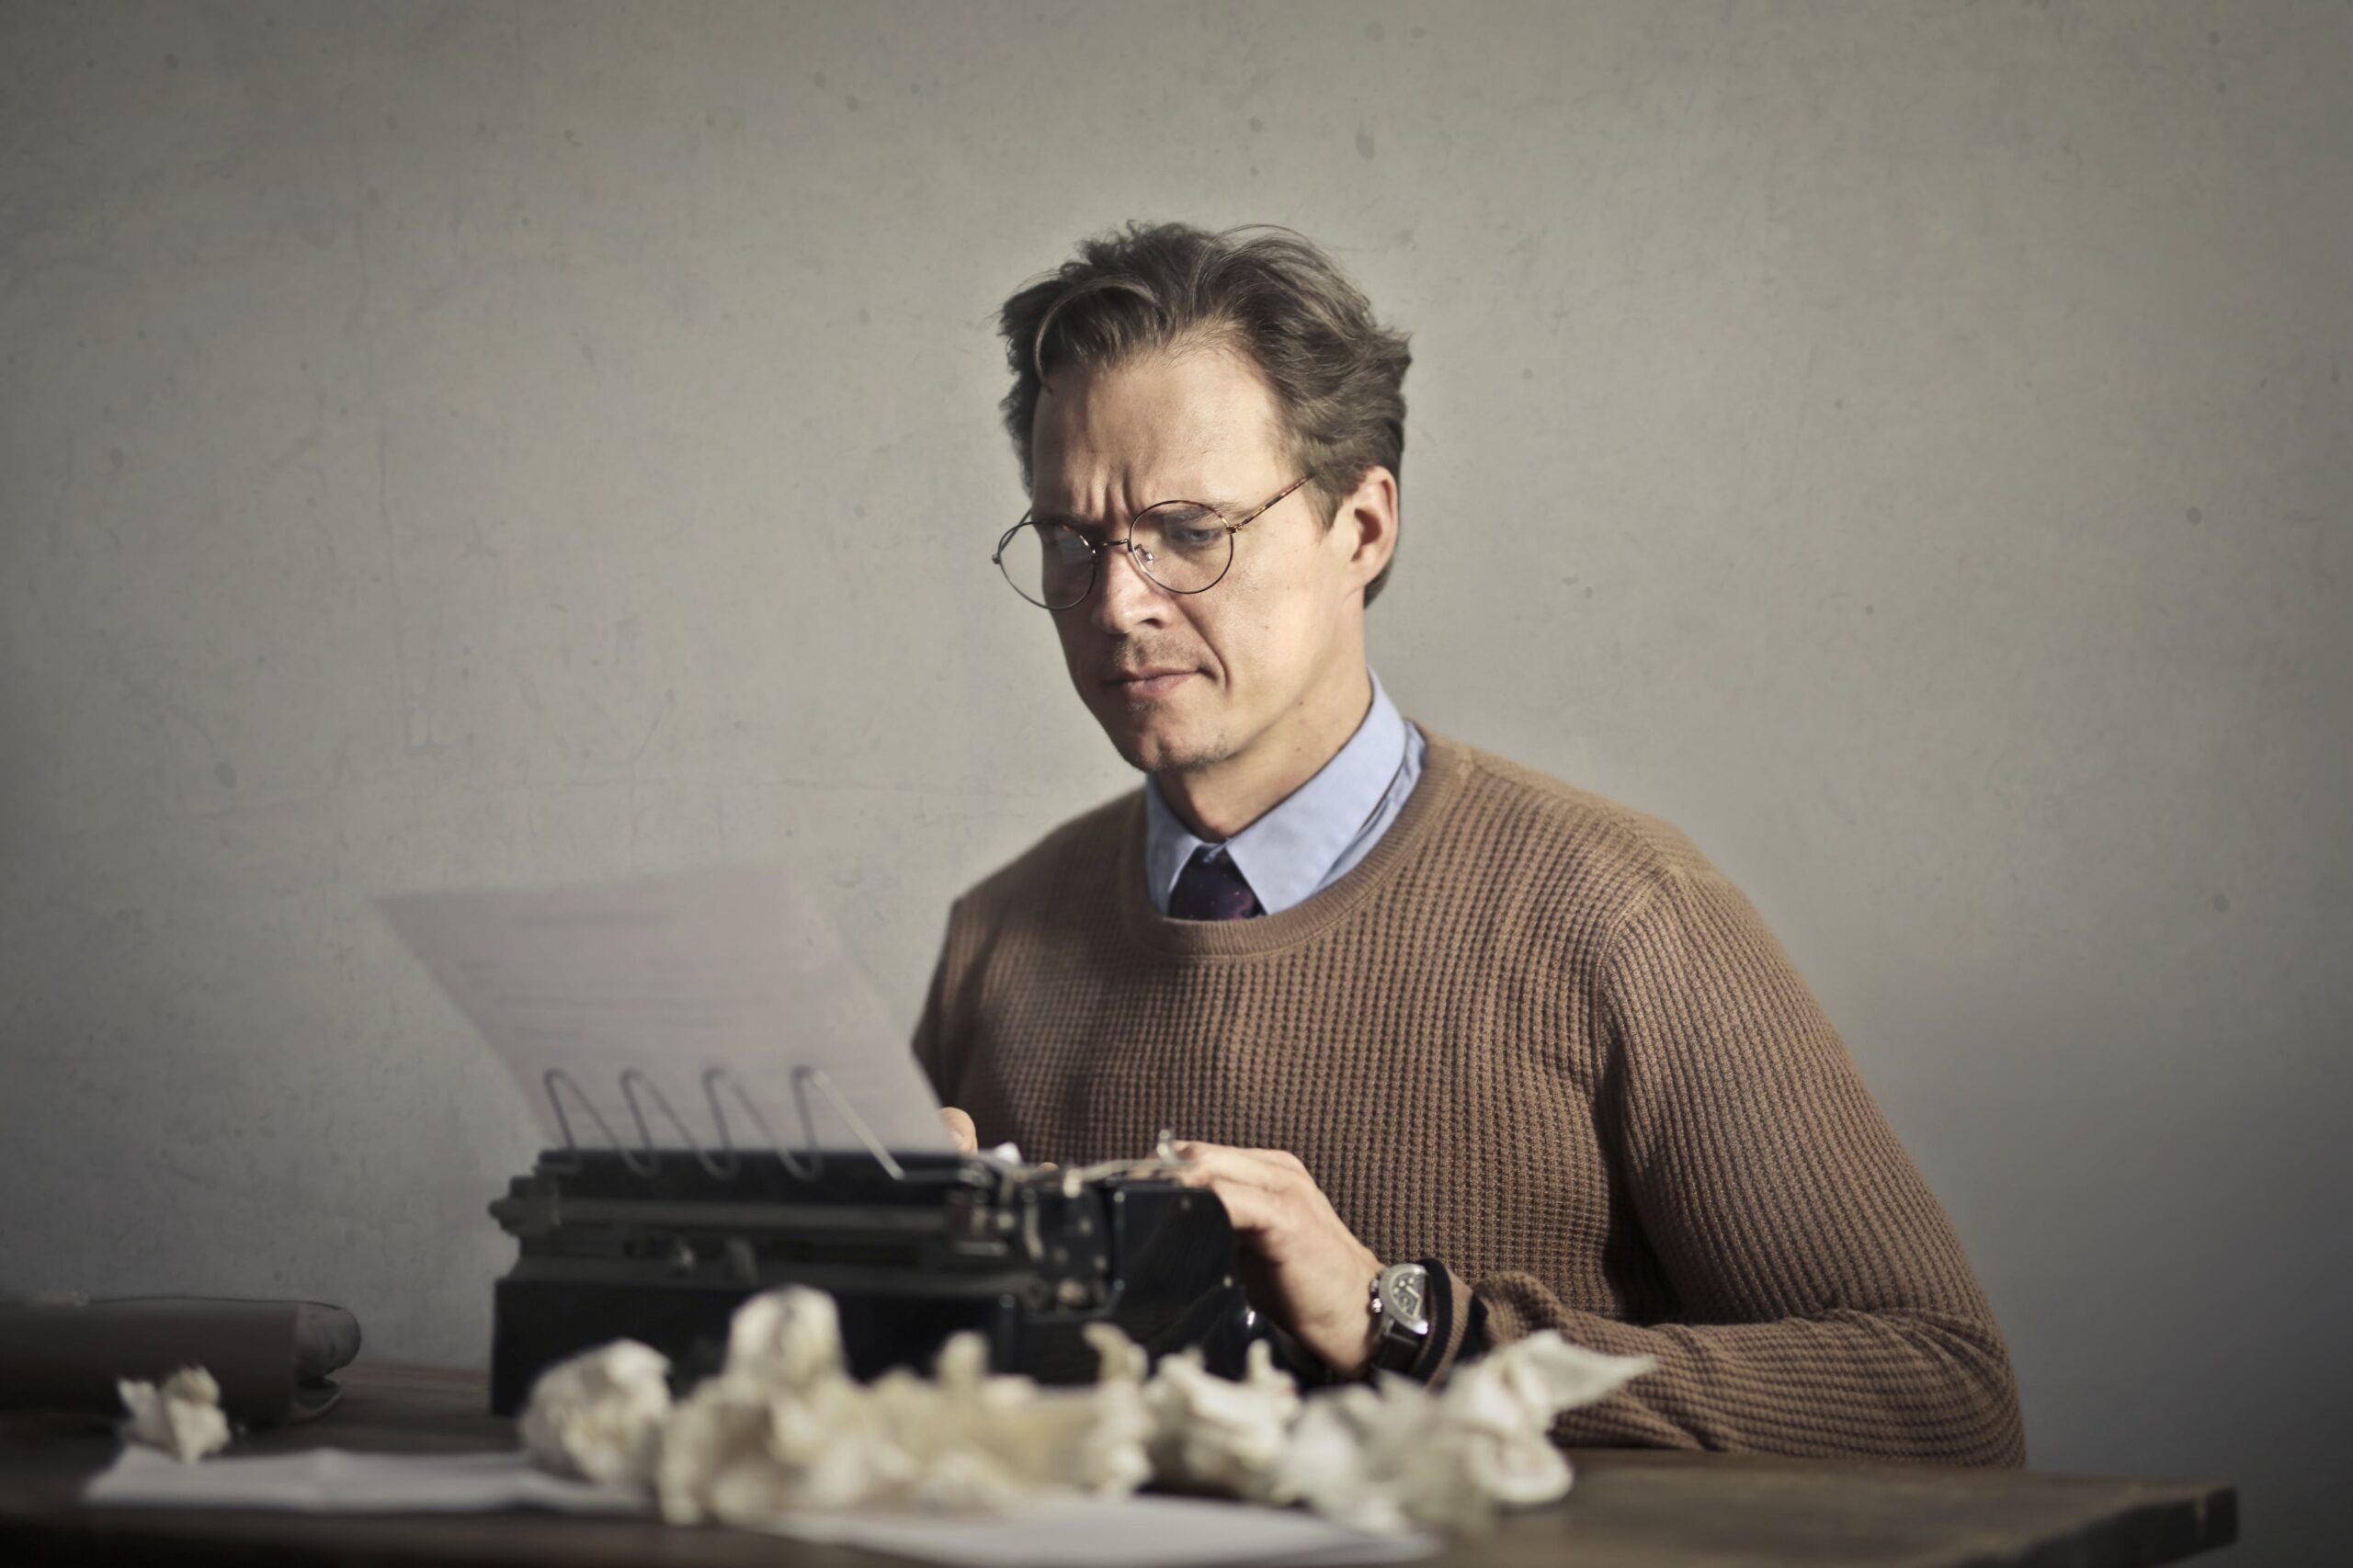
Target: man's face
point(1187, 681)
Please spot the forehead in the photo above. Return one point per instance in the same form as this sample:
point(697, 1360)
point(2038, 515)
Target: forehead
point(1200, 424)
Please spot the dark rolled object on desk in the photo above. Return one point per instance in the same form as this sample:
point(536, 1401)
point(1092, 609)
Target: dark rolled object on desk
point(271, 1358)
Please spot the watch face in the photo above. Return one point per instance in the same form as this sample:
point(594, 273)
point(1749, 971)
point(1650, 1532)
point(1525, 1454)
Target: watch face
point(1404, 1292)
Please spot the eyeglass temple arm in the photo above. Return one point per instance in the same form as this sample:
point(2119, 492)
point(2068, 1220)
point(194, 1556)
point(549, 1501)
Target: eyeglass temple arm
point(1262, 511)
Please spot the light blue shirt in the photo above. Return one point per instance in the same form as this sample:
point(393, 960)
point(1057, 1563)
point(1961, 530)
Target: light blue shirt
point(1318, 831)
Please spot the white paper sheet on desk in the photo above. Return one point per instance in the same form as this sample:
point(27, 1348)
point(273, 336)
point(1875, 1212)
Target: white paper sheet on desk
point(1136, 1532)
point(638, 993)
point(1133, 1532)
point(336, 1481)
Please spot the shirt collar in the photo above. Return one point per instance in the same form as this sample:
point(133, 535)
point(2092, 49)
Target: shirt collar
point(1286, 853)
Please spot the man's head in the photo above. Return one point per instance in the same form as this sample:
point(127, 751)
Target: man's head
point(1163, 364)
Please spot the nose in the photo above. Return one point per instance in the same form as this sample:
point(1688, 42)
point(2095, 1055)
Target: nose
point(1124, 597)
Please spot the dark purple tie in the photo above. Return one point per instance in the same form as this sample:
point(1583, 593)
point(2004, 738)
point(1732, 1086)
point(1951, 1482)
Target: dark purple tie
point(1210, 887)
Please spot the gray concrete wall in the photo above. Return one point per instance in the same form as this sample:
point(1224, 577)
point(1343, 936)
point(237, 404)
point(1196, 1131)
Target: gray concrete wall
point(1909, 446)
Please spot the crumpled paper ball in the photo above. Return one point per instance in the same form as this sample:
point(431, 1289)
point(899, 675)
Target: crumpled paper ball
point(1394, 1455)
point(1496, 1415)
point(600, 1416)
point(787, 1339)
point(1212, 1433)
point(719, 1428)
point(183, 1417)
point(1344, 1455)
point(783, 1428)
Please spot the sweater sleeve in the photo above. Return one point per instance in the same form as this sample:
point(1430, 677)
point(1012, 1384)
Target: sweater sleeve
point(931, 1037)
point(1824, 1305)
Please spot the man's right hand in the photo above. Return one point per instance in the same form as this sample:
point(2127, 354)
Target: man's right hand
point(960, 1128)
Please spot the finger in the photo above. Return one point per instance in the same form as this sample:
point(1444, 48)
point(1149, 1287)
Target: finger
point(960, 1128)
point(1282, 1157)
point(1251, 1165)
point(1223, 1172)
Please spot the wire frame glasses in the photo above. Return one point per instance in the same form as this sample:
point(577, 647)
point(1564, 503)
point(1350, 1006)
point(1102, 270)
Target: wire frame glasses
point(1182, 546)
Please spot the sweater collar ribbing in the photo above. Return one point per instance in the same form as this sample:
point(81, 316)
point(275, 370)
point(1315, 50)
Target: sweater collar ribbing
point(1442, 773)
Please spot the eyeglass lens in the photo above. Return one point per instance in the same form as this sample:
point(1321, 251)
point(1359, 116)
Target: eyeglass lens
point(1182, 545)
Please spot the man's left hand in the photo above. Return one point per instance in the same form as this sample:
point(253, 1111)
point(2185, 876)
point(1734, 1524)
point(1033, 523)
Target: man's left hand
point(1312, 1275)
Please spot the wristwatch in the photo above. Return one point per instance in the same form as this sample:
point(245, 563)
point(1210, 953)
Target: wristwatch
point(1401, 1313)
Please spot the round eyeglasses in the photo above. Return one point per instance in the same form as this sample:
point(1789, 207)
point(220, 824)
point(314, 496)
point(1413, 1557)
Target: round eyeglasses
point(1182, 546)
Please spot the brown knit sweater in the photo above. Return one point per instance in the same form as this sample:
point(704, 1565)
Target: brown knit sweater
point(1537, 1036)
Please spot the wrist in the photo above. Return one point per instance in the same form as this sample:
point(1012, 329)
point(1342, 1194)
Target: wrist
point(1352, 1333)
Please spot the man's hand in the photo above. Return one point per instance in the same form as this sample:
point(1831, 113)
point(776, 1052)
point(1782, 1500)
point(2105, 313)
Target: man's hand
point(1302, 1266)
point(960, 1128)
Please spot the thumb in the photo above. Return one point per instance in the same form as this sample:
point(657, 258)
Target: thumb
point(960, 1128)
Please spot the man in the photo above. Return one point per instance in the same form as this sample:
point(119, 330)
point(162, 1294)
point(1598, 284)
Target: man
point(1443, 1034)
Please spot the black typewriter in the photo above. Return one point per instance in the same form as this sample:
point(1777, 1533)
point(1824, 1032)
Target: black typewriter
point(661, 1247)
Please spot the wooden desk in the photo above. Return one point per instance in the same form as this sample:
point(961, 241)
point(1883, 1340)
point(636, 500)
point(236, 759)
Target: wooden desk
point(1629, 1508)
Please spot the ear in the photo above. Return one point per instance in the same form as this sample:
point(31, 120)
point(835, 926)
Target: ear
point(1366, 521)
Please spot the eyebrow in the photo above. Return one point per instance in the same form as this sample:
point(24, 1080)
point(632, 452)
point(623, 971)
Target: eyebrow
point(1071, 520)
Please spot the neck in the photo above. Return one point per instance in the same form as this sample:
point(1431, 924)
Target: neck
point(1220, 798)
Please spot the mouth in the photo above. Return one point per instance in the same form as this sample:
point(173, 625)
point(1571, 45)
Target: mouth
point(1147, 685)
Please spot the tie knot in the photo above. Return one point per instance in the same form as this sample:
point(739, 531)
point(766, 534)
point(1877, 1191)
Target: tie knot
point(1210, 887)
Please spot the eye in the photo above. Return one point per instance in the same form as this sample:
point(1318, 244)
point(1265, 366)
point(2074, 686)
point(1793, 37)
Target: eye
point(1183, 527)
point(1063, 543)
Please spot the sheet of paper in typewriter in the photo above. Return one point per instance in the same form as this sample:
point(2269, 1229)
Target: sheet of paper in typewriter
point(701, 1009)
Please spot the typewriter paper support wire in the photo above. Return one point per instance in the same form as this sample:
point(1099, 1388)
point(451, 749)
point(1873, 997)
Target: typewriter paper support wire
point(644, 1159)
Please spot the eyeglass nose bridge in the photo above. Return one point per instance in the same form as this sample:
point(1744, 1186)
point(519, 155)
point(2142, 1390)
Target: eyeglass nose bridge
point(1136, 552)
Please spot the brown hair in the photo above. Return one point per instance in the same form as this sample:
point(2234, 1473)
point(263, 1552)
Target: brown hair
point(1271, 294)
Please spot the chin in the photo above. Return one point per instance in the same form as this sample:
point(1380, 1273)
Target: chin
point(1158, 748)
